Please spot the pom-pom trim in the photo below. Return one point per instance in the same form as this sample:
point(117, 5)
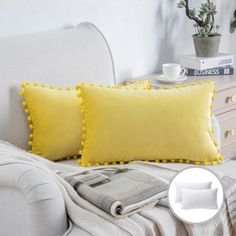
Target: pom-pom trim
point(158, 161)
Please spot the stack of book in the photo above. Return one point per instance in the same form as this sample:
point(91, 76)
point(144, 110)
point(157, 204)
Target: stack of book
point(208, 66)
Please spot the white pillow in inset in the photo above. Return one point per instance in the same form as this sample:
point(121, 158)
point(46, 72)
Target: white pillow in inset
point(180, 185)
point(201, 198)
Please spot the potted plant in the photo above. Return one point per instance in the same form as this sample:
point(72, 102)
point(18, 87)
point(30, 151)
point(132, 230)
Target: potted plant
point(206, 38)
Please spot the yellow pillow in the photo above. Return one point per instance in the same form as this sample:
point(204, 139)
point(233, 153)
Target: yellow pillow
point(55, 120)
point(168, 125)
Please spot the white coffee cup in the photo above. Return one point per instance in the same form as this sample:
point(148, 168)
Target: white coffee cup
point(172, 71)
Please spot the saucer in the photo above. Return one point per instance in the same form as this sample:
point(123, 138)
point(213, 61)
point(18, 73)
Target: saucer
point(164, 80)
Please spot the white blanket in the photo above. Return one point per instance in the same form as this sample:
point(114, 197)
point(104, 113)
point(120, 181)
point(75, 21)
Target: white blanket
point(150, 222)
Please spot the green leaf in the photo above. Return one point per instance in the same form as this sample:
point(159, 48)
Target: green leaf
point(181, 4)
point(192, 13)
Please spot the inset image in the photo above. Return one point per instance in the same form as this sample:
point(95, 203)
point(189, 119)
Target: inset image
point(195, 195)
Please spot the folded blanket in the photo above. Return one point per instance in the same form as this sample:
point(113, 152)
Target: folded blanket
point(118, 191)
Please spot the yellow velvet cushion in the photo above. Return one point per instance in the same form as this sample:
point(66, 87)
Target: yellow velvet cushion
point(55, 119)
point(126, 125)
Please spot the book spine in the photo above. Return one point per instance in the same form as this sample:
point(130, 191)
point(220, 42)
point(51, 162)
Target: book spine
point(207, 63)
point(210, 72)
point(216, 62)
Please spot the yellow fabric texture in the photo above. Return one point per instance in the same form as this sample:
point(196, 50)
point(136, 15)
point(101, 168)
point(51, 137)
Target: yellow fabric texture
point(55, 120)
point(168, 125)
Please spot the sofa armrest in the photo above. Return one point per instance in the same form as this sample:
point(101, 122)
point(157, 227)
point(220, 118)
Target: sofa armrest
point(31, 202)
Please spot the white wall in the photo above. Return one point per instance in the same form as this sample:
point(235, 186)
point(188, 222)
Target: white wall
point(142, 34)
